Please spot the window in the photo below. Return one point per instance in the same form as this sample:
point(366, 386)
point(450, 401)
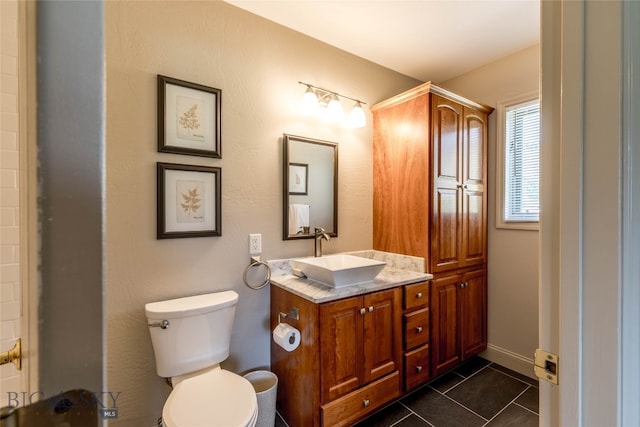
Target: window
point(519, 163)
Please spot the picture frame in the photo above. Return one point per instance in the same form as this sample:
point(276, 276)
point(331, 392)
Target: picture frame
point(298, 179)
point(188, 201)
point(189, 118)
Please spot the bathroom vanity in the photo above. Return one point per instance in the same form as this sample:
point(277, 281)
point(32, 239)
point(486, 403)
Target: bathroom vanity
point(361, 346)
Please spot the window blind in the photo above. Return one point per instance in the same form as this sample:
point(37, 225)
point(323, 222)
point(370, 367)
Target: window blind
point(522, 162)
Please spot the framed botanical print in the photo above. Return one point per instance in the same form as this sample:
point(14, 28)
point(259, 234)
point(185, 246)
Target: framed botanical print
point(188, 118)
point(188, 201)
point(298, 178)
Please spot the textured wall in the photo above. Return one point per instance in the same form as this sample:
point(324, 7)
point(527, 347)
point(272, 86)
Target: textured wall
point(257, 64)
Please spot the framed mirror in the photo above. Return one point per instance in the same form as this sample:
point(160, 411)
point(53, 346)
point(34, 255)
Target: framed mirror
point(310, 187)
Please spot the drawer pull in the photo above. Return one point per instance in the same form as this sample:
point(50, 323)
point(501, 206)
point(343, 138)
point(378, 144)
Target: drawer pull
point(366, 403)
point(418, 368)
point(418, 329)
point(419, 295)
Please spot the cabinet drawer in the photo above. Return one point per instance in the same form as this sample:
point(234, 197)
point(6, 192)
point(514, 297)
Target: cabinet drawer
point(416, 295)
point(416, 367)
point(355, 405)
point(416, 328)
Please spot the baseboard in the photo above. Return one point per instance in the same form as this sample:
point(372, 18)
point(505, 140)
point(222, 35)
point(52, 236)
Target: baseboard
point(509, 359)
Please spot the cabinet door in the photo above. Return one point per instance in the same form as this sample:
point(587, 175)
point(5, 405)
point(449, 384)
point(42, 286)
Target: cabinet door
point(446, 225)
point(474, 197)
point(341, 329)
point(382, 333)
point(473, 313)
point(445, 343)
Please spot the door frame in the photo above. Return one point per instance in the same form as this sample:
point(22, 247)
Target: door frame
point(588, 204)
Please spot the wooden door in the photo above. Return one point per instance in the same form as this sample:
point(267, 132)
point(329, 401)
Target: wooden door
point(445, 348)
point(472, 306)
point(382, 333)
point(341, 347)
point(474, 196)
point(446, 225)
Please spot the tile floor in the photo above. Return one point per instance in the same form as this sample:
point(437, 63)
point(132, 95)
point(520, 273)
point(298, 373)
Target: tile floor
point(477, 393)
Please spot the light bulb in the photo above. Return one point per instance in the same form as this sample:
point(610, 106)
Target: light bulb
point(309, 105)
point(356, 116)
point(334, 109)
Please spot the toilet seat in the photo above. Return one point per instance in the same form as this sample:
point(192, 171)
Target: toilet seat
point(215, 398)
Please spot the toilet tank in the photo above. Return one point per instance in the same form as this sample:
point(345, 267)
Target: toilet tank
point(197, 335)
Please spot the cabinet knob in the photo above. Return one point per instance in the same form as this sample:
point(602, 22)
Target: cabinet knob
point(370, 309)
point(418, 369)
point(363, 310)
point(463, 284)
point(419, 329)
point(366, 403)
point(419, 295)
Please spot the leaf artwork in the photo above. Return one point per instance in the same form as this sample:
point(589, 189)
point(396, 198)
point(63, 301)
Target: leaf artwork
point(189, 119)
point(191, 201)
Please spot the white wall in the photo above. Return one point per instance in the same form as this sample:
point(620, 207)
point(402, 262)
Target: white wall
point(513, 254)
point(257, 65)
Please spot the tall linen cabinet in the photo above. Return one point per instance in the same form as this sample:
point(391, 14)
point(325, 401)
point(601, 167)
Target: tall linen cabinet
point(430, 200)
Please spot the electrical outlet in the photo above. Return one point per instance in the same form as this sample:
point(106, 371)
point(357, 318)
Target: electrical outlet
point(255, 244)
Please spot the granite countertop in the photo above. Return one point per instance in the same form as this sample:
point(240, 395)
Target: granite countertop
point(400, 270)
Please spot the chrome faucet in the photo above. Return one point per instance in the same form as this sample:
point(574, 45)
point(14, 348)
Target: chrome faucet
point(319, 235)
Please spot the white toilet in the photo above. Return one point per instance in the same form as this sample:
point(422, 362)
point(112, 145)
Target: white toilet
point(190, 338)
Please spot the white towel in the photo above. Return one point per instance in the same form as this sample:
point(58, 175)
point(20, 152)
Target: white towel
point(298, 217)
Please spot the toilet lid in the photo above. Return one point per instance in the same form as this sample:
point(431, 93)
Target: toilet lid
point(217, 398)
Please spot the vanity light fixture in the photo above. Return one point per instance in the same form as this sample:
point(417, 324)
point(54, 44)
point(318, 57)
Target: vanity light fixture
point(317, 101)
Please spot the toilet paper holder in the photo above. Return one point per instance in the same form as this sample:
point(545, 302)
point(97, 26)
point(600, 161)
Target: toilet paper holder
point(294, 314)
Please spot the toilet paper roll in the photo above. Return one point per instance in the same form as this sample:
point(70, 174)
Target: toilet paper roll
point(286, 336)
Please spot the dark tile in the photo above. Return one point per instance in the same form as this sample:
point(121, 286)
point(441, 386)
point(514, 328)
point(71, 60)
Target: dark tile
point(514, 416)
point(412, 421)
point(386, 416)
point(523, 378)
point(279, 421)
point(529, 399)
point(447, 381)
point(472, 366)
point(487, 392)
point(439, 410)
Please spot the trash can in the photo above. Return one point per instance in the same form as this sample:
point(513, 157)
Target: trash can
point(265, 384)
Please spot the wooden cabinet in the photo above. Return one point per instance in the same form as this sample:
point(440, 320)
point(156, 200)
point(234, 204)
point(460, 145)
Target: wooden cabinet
point(349, 362)
point(430, 173)
point(430, 200)
point(359, 341)
point(459, 319)
point(458, 225)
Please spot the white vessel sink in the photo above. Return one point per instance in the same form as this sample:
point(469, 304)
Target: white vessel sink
point(339, 270)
